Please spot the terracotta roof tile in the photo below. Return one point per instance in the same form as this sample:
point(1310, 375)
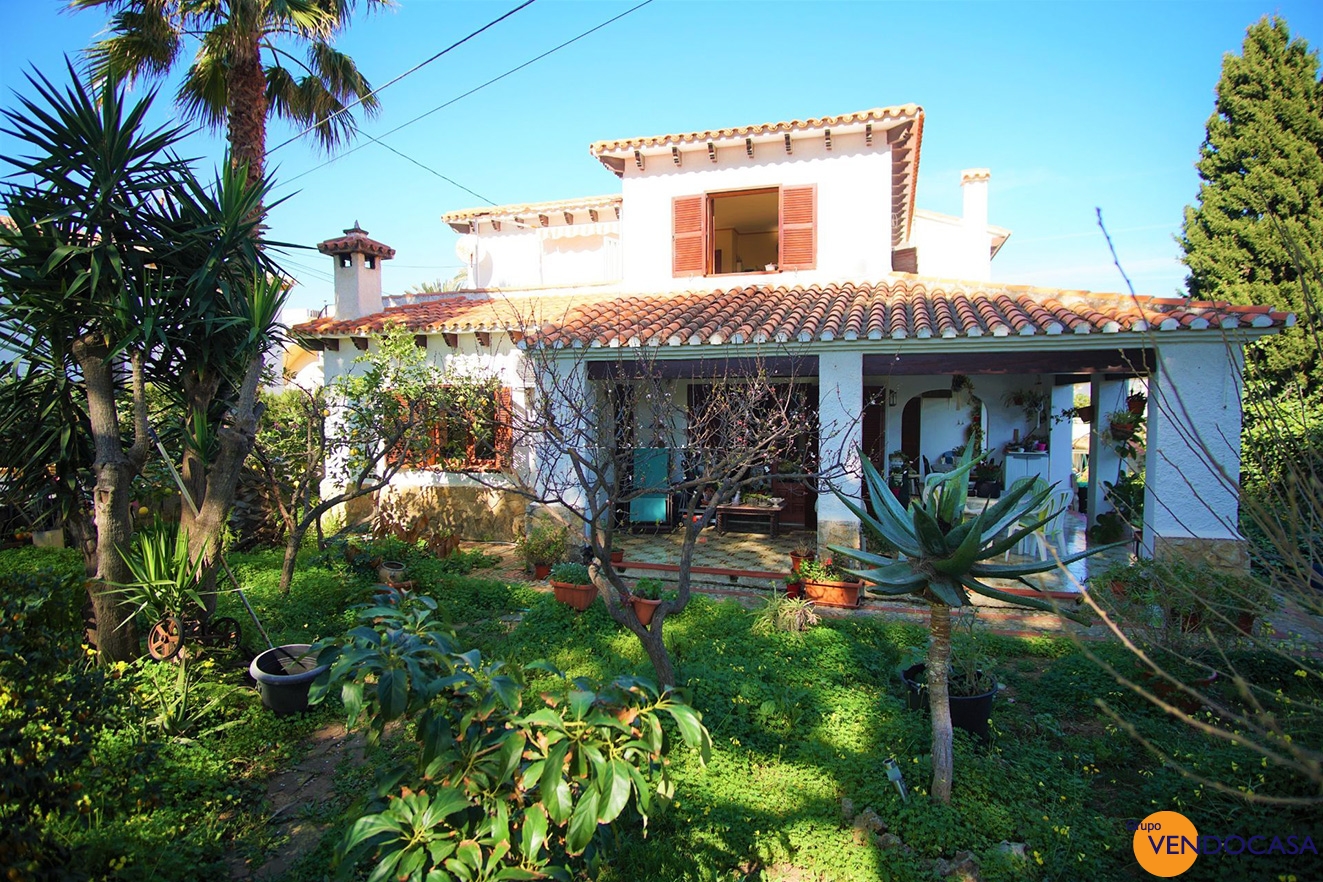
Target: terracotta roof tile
point(896, 113)
point(581, 203)
point(901, 308)
point(356, 241)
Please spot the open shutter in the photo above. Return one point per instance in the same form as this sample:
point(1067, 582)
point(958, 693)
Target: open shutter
point(688, 254)
point(799, 235)
point(504, 429)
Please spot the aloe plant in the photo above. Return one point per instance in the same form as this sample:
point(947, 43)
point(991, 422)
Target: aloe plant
point(943, 556)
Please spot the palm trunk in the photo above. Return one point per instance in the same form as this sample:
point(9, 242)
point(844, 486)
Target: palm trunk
point(246, 101)
point(939, 700)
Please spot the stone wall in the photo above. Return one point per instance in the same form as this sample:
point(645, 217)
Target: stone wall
point(475, 513)
point(1226, 555)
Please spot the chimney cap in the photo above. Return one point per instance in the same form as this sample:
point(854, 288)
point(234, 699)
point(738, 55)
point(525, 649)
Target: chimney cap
point(974, 175)
point(355, 241)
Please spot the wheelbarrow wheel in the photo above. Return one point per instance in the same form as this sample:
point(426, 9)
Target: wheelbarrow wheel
point(165, 639)
point(225, 631)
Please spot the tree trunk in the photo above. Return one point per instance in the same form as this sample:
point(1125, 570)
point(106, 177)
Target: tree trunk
point(294, 538)
point(939, 699)
point(117, 638)
point(655, 647)
point(246, 101)
point(236, 436)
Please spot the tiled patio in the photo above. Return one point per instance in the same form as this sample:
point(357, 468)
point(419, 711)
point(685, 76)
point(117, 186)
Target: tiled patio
point(751, 560)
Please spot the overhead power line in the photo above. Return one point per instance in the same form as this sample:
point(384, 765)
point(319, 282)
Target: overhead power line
point(377, 138)
point(417, 67)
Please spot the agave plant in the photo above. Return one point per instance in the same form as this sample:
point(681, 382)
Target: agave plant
point(942, 556)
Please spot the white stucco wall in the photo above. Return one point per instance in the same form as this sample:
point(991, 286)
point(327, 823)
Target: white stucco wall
point(853, 208)
point(528, 256)
point(1192, 469)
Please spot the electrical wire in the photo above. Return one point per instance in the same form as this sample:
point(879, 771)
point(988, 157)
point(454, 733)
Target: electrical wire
point(417, 67)
point(377, 138)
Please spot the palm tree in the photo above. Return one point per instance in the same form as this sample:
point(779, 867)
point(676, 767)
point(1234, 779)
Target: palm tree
point(942, 557)
point(243, 68)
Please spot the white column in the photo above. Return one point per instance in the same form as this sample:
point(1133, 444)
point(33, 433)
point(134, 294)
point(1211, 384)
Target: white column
point(1193, 459)
point(1104, 462)
point(1059, 439)
point(840, 435)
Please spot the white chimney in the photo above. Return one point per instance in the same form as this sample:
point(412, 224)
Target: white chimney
point(978, 242)
point(357, 272)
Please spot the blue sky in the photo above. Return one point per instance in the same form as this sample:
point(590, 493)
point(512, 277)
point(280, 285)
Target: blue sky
point(1072, 105)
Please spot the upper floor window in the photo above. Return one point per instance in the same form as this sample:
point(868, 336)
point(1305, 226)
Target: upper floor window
point(744, 231)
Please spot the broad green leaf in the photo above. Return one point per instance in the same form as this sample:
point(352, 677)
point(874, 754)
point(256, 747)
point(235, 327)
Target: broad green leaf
point(583, 823)
point(580, 702)
point(534, 833)
point(615, 793)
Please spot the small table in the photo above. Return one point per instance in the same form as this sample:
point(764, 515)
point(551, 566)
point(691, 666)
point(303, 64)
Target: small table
point(771, 512)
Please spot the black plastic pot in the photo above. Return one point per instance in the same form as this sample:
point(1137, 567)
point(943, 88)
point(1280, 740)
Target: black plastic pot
point(284, 675)
point(968, 712)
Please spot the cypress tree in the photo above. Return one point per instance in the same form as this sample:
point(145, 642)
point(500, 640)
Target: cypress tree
point(1259, 221)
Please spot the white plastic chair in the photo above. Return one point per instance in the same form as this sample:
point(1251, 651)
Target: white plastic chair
point(1035, 543)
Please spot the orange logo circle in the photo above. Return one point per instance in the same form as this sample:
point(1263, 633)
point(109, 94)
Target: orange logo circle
point(1165, 843)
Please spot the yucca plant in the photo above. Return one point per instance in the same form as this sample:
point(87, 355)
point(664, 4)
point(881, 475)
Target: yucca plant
point(942, 556)
point(166, 579)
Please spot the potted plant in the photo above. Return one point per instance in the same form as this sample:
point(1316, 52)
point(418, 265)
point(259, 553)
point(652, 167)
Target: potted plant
point(805, 548)
point(544, 546)
point(794, 584)
point(573, 585)
point(987, 476)
point(825, 583)
point(645, 597)
point(1123, 424)
point(1136, 403)
point(971, 686)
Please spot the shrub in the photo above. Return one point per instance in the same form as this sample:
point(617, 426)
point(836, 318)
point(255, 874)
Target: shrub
point(544, 545)
point(571, 574)
point(493, 791)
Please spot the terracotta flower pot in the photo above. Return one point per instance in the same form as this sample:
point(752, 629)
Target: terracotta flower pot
point(617, 556)
point(839, 594)
point(644, 609)
point(578, 596)
point(1121, 431)
point(1085, 413)
point(794, 590)
point(541, 571)
point(1136, 404)
point(797, 559)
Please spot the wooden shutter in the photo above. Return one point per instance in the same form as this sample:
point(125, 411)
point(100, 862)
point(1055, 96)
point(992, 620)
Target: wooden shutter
point(799, 235)
point(504, 430)
point(688, 242)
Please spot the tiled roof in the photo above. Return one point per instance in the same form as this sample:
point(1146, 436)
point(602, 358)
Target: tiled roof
point(898, 113)
point(582, 203)
point(356, 241)
point(906, 307)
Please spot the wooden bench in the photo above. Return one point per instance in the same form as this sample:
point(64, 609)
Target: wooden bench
point(752, 512)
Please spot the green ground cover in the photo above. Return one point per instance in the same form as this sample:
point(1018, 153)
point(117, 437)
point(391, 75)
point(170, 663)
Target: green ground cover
point(800, 722)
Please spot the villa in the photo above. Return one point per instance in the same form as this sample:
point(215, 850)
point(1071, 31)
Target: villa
point(803, 238)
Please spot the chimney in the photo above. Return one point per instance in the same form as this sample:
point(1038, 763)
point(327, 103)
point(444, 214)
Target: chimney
point(978, 243)
point(357, 272)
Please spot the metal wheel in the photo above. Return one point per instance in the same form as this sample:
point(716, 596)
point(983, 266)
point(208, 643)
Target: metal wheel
point(165, 639)
point(225, 631)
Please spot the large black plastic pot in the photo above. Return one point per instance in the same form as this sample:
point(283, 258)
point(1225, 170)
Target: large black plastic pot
point(968, 712)
point(284, 675)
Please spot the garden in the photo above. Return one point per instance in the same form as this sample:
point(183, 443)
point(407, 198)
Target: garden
point(145, 770)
